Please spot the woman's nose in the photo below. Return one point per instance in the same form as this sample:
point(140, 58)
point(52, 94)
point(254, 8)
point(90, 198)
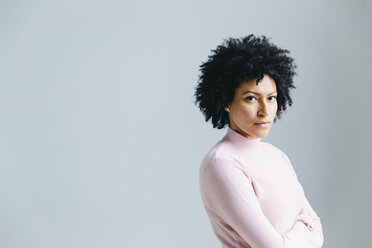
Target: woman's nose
point(262, 109)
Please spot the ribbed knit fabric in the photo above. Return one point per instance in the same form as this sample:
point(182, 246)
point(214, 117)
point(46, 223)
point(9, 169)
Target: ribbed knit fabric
point(253, 198)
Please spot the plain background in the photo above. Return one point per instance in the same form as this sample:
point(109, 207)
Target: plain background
point(100, 142)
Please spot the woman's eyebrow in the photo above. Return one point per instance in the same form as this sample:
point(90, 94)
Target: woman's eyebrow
point(249, 91)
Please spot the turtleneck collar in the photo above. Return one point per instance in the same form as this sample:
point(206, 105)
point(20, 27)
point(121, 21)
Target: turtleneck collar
point(238, 139)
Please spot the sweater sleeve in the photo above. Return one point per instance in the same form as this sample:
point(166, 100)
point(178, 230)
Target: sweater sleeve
point(317, 239)
point(313, 219)
point(232, 196)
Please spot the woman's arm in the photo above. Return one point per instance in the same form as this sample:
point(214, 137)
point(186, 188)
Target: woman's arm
point(230, 192)
point(318, 239)
point(316, 225)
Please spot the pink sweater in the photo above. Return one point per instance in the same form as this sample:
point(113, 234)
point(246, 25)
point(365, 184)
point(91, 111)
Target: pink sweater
point(253, 198)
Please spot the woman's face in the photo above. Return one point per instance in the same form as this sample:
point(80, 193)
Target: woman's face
point(252, 105)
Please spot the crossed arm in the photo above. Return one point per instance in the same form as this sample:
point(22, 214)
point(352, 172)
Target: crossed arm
point(233, 197)
point(317, 239)
point(316, 226)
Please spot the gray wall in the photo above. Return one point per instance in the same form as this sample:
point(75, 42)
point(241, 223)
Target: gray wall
point(100, 143)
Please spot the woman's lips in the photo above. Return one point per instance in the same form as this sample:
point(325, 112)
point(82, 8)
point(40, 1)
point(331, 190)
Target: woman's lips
point(263, 124)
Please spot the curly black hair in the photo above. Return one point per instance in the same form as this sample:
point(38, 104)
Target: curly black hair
point(237, 61)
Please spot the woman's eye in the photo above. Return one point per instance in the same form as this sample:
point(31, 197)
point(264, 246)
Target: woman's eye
point(271, 98)
point(250, 98)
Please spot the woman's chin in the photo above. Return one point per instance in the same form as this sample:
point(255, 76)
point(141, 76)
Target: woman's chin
point(262, 134)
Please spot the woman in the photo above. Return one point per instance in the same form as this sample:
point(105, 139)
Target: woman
point(248, 187)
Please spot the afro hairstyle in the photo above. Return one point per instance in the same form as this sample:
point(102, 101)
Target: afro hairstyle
point(237, 61)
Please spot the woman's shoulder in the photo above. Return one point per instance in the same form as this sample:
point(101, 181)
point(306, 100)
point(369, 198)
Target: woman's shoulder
point(279, 152)
point(221, 151)
point(273, 148)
